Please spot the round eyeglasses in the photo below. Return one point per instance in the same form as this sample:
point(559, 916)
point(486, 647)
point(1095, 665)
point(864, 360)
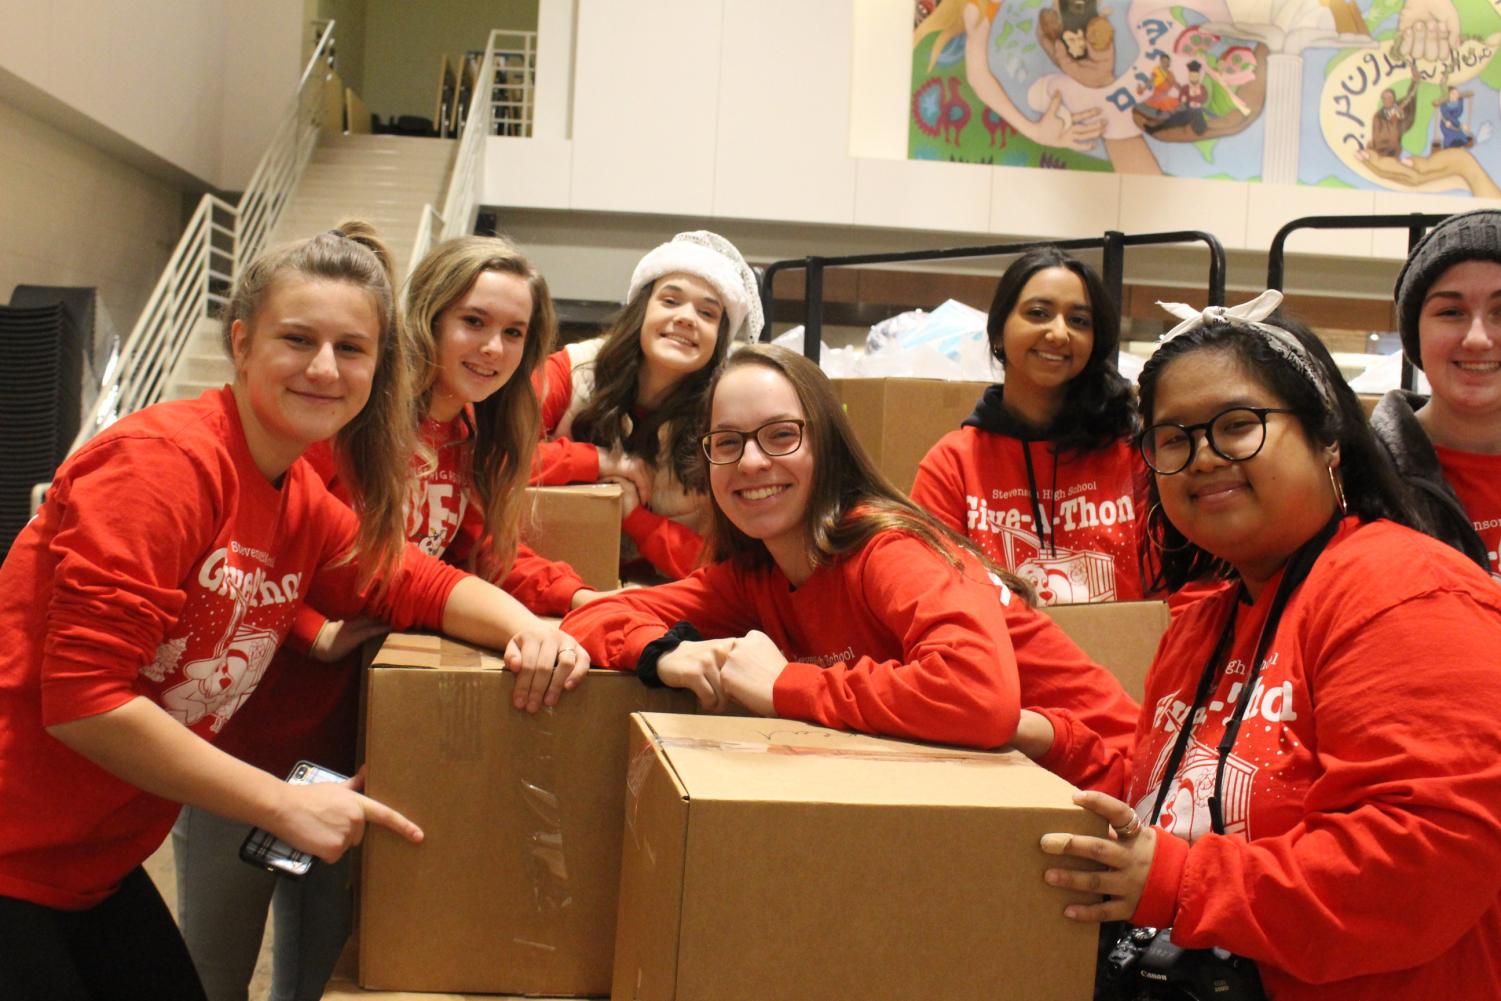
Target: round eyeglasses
point(774, 438)
point(1235, 435)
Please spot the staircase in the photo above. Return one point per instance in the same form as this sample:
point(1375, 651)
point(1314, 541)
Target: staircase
point(384, 180)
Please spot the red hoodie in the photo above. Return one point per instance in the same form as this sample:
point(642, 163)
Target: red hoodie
point(1363, 794)
point(1089, 506)
point(163, 564)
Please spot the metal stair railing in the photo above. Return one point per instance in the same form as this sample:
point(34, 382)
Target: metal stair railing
point(461, 201)
point(219, 239)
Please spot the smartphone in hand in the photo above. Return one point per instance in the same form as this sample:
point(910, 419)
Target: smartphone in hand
point(265, 850)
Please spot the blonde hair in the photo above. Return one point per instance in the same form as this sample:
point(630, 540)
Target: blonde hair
point(507, 421)
point(374, 449)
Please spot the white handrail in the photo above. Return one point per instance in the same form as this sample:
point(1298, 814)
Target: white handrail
point(217, 241)
point(282, 164)
point(461, 200)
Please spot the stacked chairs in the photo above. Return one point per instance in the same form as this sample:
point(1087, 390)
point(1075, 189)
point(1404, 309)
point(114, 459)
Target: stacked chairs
point(34, 397)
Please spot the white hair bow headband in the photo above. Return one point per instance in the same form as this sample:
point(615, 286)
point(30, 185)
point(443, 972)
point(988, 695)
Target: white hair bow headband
point(1250, 314)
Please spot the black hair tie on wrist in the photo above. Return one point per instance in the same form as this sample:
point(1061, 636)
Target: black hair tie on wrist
point(646, 666)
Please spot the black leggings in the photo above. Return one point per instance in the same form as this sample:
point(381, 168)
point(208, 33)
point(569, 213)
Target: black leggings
point(126, 947)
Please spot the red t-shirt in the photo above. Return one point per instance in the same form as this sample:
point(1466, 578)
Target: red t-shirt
point(891, 639)
point(1476, 479)
point(163, 564)
point(1363, 794)
point(975, 482)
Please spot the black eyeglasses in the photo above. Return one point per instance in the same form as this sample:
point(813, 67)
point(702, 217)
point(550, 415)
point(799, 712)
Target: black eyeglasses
point(1235, 435)
point(774, 438)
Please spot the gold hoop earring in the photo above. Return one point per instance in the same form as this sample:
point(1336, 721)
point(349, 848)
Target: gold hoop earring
point(1339, 491)
point(1156, 537)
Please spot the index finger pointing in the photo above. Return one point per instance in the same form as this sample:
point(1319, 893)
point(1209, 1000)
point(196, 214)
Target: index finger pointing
point(377, 812)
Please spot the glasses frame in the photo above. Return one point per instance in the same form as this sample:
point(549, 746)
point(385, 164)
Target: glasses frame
point(755, 433)
point(1208, 428)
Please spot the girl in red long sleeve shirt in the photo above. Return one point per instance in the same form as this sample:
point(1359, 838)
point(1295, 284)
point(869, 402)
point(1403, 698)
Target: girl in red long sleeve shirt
point(1042, 477)
point(1318, 763)
point(140, 608)
point(831, 598)
point(624, 407)
point(480, 321)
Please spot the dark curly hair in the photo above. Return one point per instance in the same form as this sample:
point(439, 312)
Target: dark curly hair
point(1372, 487)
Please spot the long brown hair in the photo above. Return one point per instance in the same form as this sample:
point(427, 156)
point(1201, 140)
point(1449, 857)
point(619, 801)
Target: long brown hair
point(506, 422)
point(851, 500)
point(374, 449)
point(617, 373)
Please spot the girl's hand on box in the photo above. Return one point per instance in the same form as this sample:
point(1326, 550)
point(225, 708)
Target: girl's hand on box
point(696, 666)
point(337, 640)
point(750, 672)
point(547, 663)
point(618, 467)
point(1126, 856)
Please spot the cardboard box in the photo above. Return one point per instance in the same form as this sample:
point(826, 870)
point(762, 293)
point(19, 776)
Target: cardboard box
point(514, 888)
point(769, 860)
point(898, 420)
point(1120, 635)
point(578, 525)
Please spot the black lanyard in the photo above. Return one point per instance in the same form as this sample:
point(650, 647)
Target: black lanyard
point(1297, 570)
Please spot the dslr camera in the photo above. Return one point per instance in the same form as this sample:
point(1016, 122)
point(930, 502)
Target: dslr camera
point(1145, 965)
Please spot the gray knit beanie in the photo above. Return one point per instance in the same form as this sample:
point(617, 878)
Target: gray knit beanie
point(1468, 236)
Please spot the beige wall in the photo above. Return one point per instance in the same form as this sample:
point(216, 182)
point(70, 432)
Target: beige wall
point(405, 42)
point(192, 83)
point(73, 215)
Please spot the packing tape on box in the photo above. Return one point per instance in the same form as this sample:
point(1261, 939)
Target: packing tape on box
point(829, 751)
point(532, 757)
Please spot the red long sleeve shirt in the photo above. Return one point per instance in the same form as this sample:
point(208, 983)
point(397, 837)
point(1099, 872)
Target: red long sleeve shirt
point(163, 564)
point(656, 529)
point(309, 709)
point(976, 482)
point(891, 639)
point(1363, 794)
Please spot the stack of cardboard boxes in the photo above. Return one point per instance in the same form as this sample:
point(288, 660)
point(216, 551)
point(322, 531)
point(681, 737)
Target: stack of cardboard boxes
point(618, 844)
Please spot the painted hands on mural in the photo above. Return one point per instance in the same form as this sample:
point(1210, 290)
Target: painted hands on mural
point(1125, 857)
point(1057, 126)
point(547, 662)
point(1427, 30)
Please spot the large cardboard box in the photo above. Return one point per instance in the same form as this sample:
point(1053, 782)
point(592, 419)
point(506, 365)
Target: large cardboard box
point(768, 860)
point(514, 888)
point(579, 525)
point(342, 989)
point(898, 420)
point(1120, 635)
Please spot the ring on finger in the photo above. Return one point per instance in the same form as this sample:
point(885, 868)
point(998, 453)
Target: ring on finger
point(1129, 829)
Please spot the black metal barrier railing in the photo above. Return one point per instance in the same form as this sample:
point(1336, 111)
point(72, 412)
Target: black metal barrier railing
point(1416, 224)
point(1113, 244)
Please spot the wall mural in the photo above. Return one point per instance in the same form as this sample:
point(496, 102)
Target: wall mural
point(1395, 95)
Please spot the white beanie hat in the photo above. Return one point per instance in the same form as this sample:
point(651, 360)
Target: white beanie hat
point(711, 257)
